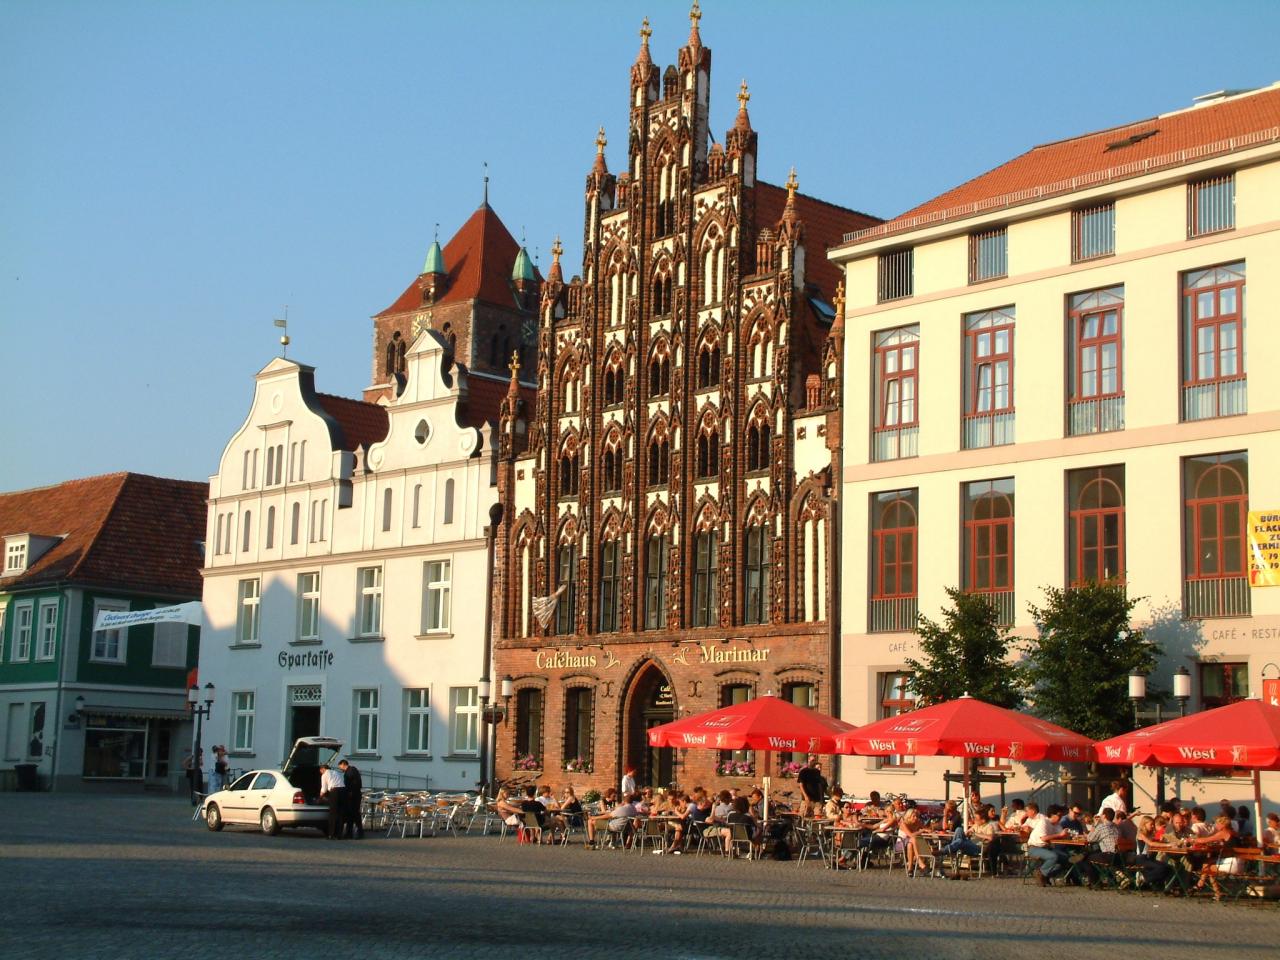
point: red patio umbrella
(968, 728)
(765, 723)
(1244, 734)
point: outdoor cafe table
(830, 847)
(1177, 856)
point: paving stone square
(126, 877)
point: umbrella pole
(1257, 813)
(968, 811)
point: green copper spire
(523, 269)
(435, 260)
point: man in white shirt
(1044, 830)
(1117, 799)
(333, 791)
(628, 786)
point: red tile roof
(120, 530)
(479, 259)
(1106, 156)
(484, 399)
(361, 423)
(825, 224)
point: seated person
(1044, 830)
(908, 826)
(1154, 872)
(1014, 816)
(1104, 836)
(873, 809)
(506, 808)
(1074, 819)
(530, 804)
(984, 831)
(621, 816)
(721, 809)
(1178, 828)
(1271, 835)
(608, 802)
(681, 810)
(756, 801)
(1199, 823)
(1218, 841)
(571, 808)
(950, 817)
(961, 844)
(833, 809)
(741, 813)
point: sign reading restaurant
(707, 653)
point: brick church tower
(481, 292)
(673, 508)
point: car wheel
(270, 824)
(213, 817)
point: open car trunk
(302, 766)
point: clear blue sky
(171, 173)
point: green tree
(1077, 667)
(967, 653)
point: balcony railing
(1002, 600)
(987, 430)
(1095, 416)
(895, 443)
(1217, 597)
(894, 614)
(1218, 398)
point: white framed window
(309, 606)
(247, 618)
(169, 645)
(318, 510)
(15, 558)
(366, 715)
(2, 612)
(23, 617)
(437, 577)
(109, 646)
(464, 721)
(243, 704)
(369, 601)
(13, 744)
(48, 644)
(417, 721)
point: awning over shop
(135, 713)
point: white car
(271, 799)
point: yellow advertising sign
(1264, 548)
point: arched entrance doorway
(651, 701)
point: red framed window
(1213, 342)
(988, 378)
(1093, 232)
(988, 536)
(1096, 525)
(1223, 683)
(988, 255)
(1211, 205)
(1217, 510)
(896, 377)
(894, 537)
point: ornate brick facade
(675, 500)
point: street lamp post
(1138, 694)
(490, 717)
(199, 712)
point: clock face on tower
(420, 323)
(529, 333)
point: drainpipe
(495, 518)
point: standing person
(333, 792)
(189, 767)
(352, 821)
(220, 768)
(628, 781)
(1117, 799)
(813, 786)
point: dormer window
(15, 557)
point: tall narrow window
(736, 761)
(613, 380)
(659, 459)
(578, 723)
(217, 543)
(708, 366)
(660, 374)
(756, 582)
(271, 527)
(895, 275)
(437, 588)
(386, 510)
(759, 441)
(568, 472)
(295, 521)
(417, 715)
(529, 725)
(1216, 513)
(566, 607)
(247, 531)
(894, 542)
(610, 585)
(1093, 232)
(369, 601)
(308, 607)
(706, 580)
(417, 505)
(1213, 348)
(897, 424)
(48, 637)
(896, 697)
(448, 500)
(366, 717)
(247, 618)
(1096, 525)
(611, 468)
(655, 583)
(708, 450)
(1097, 362)
(1211, 205)
(464, 721)
(988, 255)
(988, 542)
(110, 646)
(20, 649)
(988, 378)
(242, 713)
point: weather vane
(283, 324)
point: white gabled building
(340, 535)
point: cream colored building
(346, 573)
(1063, 370)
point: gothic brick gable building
(674, 497)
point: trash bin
(27, 778)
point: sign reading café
(704, 652)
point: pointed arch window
(758, 351)
(759, 441)
(708, 366)
(611, 466)
(569, 472)
(708, 449)
(706, 578)
(659, 372)
(756, 578)
(613, 382)
(610, 585)
(655, 582)
(713, 267)
(659, 458)
(566, 606)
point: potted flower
(527, 761)
(577, 765)
(792, 769)
(736, 768)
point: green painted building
(86, 709)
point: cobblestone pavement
(106, 877)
